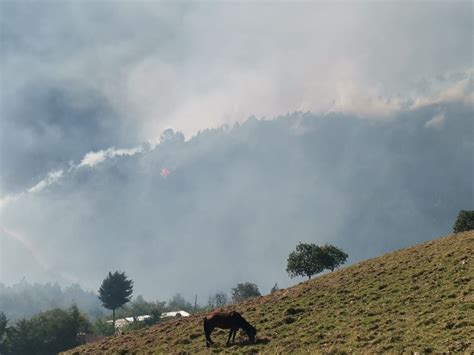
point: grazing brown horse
(227, 320)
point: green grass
(419, 299)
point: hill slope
(419, 299)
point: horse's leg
(209, 341)
(230, 335)
(207, 331)
(233, 338)
(209, 336)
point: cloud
(92, 159)
(52, 177)
(461, 91)
(319, 58)
(46, 126)
(176, 70)
(436, 122)
(351, 99)
(27, 244)
(26, 251)
(5, 200)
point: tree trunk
(113, 318)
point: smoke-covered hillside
(23, 300)
(229, 204)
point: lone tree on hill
(306, 260)
(116, 290)
(311, 259)
(332, 257)
(244, 291)
(464, 222)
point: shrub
(292, 311)
(244, 291)
(464, 222)
(101, 327)
(48, 332)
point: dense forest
(24, 299)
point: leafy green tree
(464, 222)
(306, 260)
(332, 257)
(21, 339)
(139, 307)
(155, 317)
(101, 327)
(219, 299)
(80, 320)
(311, 259)
(115, 291)
(46, 333)
(245, 291)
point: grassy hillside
(415, 299)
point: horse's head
(251, 333)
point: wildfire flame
(165, 172)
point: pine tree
(115, 291)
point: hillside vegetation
(416, 299)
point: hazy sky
(87, 88)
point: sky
(193, 144)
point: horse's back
(221, 314)
(223, 320)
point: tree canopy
(305, 261)
(48, 332)
(332, 257)
(245, 291)
(464, 222)
(115, 291)
(309, 259)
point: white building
(175, 314)
(122, 322)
